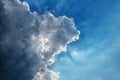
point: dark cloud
(29, 42)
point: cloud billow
(29, 42)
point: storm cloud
(29, 41)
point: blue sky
(96, 55)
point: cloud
(30, 41)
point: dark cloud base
(13, 66)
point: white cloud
(43, 35)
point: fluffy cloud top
(29, 42)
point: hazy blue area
(96, 55)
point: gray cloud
(30, 41)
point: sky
(96, 54)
